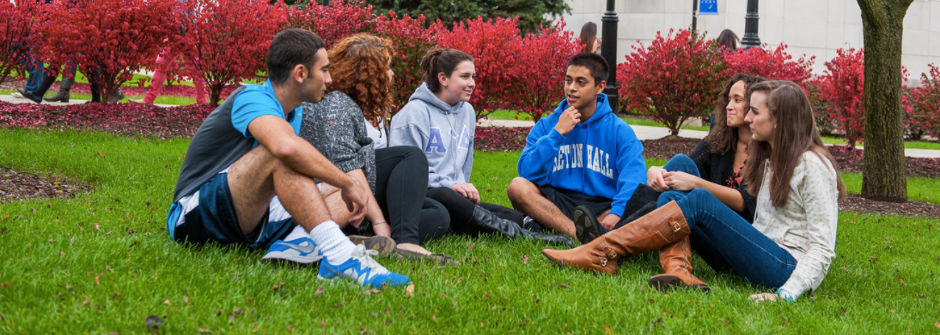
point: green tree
(884, 172)
(531, 13)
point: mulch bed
(15, 185)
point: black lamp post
(750, 38)
(609, 51)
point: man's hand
(681, 181)
(467, 190)
(654, 178)
(568, 119)
(609, 221)
(356, 199)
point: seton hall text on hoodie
(573, 156)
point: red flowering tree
(108, 39)
(925, 103)
(776, 64)
(675, 78)
(494, 45)
(229, 39)
(841, 88)
(411, 40)
(540, 70)
(334, 21)
(17, 22)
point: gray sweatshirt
(444, 132)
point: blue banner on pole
(707, 7)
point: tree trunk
(884, 173)
(215, 91)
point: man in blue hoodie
(581, 164)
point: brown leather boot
(676, 260)
(659, 228)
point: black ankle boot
(489, 221)
(63, 94)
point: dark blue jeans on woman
(726, 237)
(685, 164)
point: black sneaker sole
(585, 225)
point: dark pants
(725, 234)
(461, 210)
(401, 180)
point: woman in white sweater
(792, 241)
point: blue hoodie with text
(600, 157)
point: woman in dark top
(342, 127)
(716, 163)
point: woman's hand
(681, 181)
(654, 178)
(467, 190)
(761, 297)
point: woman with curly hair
(349, 127)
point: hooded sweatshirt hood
(424, 94)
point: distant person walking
(589, 41)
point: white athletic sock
(298, 232)
(336, 247)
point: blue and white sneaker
(363, 269)
(301, 251)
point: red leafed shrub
(925, 102)
(17, 22)
(411, 40)
(229, 39)
(540, 70)
(121, 119)
(500, 138)
(495, 46)
(334, 21)
(842, 88)
(110, 38)
(675, 78)
(777, 64)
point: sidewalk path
(652, 133)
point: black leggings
(401, 180)
(461, 210)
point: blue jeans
(681, 163)
(34, 69)
(721, 232)
(685, 164)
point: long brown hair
(795, 134)
(359, 67)
(588, 36)
(722, 138)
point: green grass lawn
(101, 262)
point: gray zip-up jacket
(444, 132)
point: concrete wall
(811, 27)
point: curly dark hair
(359, 67)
